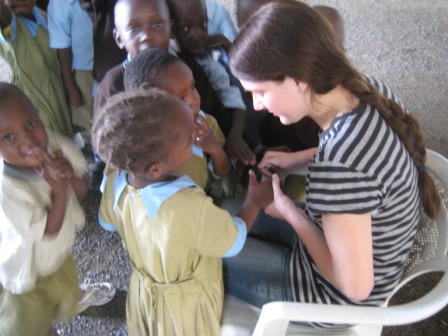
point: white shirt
(26, 253)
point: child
(190, 37)
(157, 68)
(71, 34)
(134, 21)
(41, 179)
(24, 45)
(106, 53)
(152, 17)
(174, 234)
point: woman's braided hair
(135, 126)
(289, 38)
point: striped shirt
(361, 168)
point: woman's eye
(203, 24)
(183, 29)
(132, 29)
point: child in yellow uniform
(155, 67)
(174, 234)
(24, 45)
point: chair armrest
(417, 310)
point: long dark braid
(409, 131)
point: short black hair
(147, 68)
(134, 126)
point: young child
(157, 68)
(41, 180)
(106, 53)
(135, 20)
(24, 45)
(71, 34)
(190, 37)
(174, 234)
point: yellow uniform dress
(35, 70)
(197, 167)
(175, 237)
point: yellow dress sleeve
(7, 31)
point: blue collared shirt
(69, 26)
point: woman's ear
(302, 86)
(118, 39)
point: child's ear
(118, 39)
(154, 171)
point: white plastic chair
(429, 254)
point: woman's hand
(283, 207)
(284, 161)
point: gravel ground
(404, 43)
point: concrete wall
(405, 44)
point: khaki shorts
(82, 116)
(55, 297)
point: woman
(365, 185)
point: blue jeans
(260, 273)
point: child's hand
(59, 164)
(57, 183)
(240, 150)
(204, 138)
(260, 193)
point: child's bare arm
(259, 196)
(59, 194)
(68, 78)
(235, 145)
(205, 139)
(218, 40)
(5, 14)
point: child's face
(178, 81)
(23, 138)
(190, 22)
(140, 24)
(21, 7)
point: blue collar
(12, 171)
(31, 25)
(155, 194)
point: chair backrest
(429, 252)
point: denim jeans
(260, 273)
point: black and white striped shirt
(361, 168)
